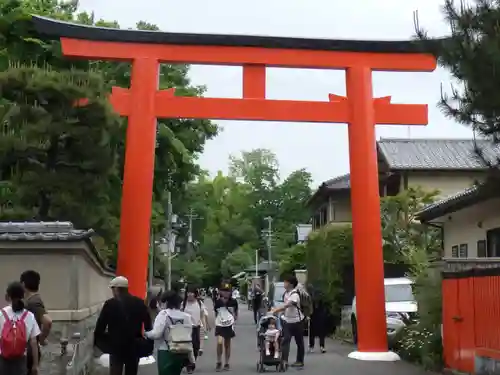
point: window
(493, 242)
(399, 293)
(454, 251)
(481, 249)
(279, 292)
(463, 251)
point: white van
(400, 307)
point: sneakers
(226, 367)
(200, 352)
(323, 350)
(311, 350)
(276, 355)
(218, 367)
(268, 352)
(298, 364)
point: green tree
(293, 258)
(474, 42)
(232, 210)
(193, 271)
(284, 201)
(259, 169)
(402, 233)
(178, 141)
(237, 261)
(55, 168)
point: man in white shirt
(293, 322)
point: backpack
(179, 339)
(13, 338)
(306, 304)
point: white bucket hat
(119, 282)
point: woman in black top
(318, 322)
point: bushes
(422, 343)
(292, 259)
(328, 251)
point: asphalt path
(245, 356)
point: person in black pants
(257, 297)
(118, 327)
(293, 322)
(318, 322)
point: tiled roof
(42, 231)
(435, 154)
(458, 201)
(339, 183)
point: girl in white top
(170, 363)
(15, 311)
(198, 312)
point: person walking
(170, 358)
(30, 280)
(293, 320)
(18, 331)
(196, 309)
(120, 325)
(257, 299)
(318, 322)
(226, 314)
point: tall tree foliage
(178, 141)
(471, 54)
(232, 210)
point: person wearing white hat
(119, 328)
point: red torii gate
(143, 103)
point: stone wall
(74, 285)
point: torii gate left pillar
(143, 103)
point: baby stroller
(268, 360)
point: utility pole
(169, 236)
(269, 234)
(191, 216)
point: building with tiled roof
(470, 222)
(446, 165)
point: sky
(320, 148)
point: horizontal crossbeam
(220, 55)
(335, 111)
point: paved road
(335, 361)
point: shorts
(225, 332)
(13, 366)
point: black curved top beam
(57, 29)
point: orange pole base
(366, 222)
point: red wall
(471, 317)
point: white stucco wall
(448, 183)
(470, 225)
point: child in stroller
(269, 335)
